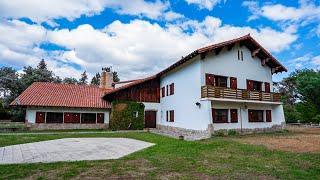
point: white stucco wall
(187, 91)
(31, 112)
(226, 63)
(243, 121)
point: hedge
(123, 115)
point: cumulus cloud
(48, 11)
(134, 49)
(205, 4)
(306, 13)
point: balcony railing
(242, 94)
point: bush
(18, 115)
(232, 132)
(127, 115)
(219, 133)
(316, 119)
(307, 111)
(291, 114)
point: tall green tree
(115, 76)
(96, 79)
(84, 78)
(69, 80)
(308, 86)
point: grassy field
(215, 158)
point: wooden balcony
(241, 94)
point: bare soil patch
(299, 139)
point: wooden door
(267, 87)
(40, 117)
(233, 83)
(150, 118)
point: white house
(220, 87)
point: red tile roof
(62, 95)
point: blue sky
(139, 38)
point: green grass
(218, 157)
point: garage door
(150, 119)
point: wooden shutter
(209, 79)
(172, 116)
(100, 118)
(268, 116)
(233, 83)
(249, 85)
(171, 88)
(167, 90)
(163, 91)
(213, 111)
(167, 116)
(40, 117)
(234, 115)
(250, 116)
(267, 87)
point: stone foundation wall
(176, 132)
(274, 128)
(189, 134)
(53, 126)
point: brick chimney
(106, 79)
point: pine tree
(84, 78)
(96, 79)
(69, 80)
(115, 76)
(42, 65)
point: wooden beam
(203, 55)
(255, 52)
(218, 50)
(230, 46)
(264, 61)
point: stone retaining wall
(54, 126)
(189, 134)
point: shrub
(219, 133)
(127, 115)
(316, 119)
(232, 132)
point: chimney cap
(107, 69)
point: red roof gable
(62, 95)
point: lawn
(215, 158)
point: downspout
(240, 119)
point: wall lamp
(198, 104)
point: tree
(96, 79)
(42, 65)
(115, 76)
(84, 78)
(69, 80)
(308, 85)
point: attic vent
(240, 55)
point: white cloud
(316, 60)
(205, 4)
(307, 12)
(40, 11)
(306, 61)
(135, 49)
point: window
(54, 117)
(70, 117)
(167, 90)
(220, 81)
(234, 115)
(171, 88)
(254, 85)
(171, 115)
(163, 91)
(135, 114)
(255, 115)
(220, 115)
(257, 86)
(240, 55)
(88, 118)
